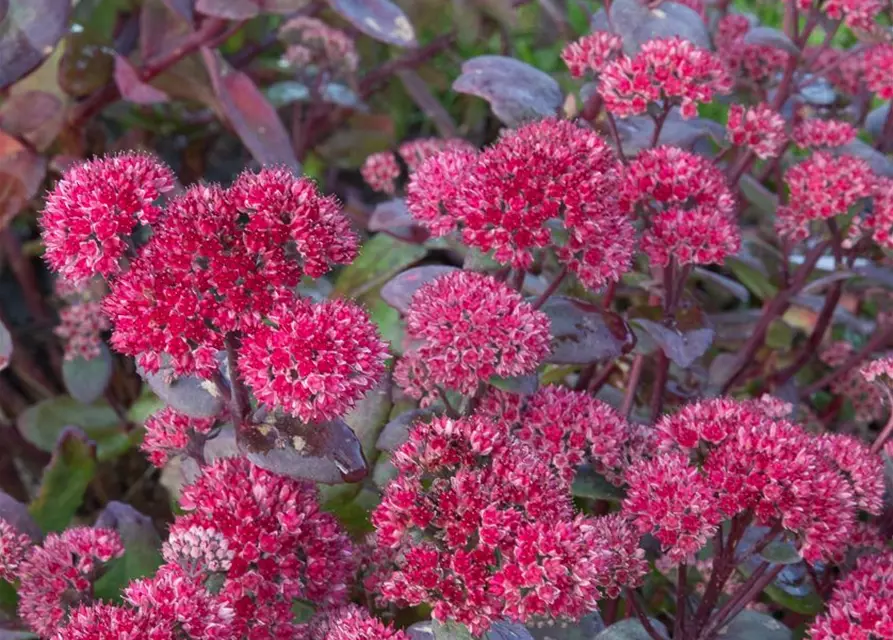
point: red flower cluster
(861, 605)
(480, 528)
(58, 573)
(881, 368)
(94, 209)
(754, 61)
(313, 360)
(878, 61)
(13, 548)
(821, 187)
(570, 428)
(758, 128)
(169, 434)
(467, 327)
(107, 622)
(856, 14)
(197, 550)
(880, 219)
(672, 70)
(351, 623)
(687, 204)
(283, 546)
(815, 132)
(219, 262)
(509, 198)
(841, 68)
(866, 398)
(591, 53)
(380, 171)
(811, 487)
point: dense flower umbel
(107, 622)
(313, 360)
(569, 428)
(878, 61)
(756, 62)
(81, 326)
(95, 207)
(58, 573)
(380, 171)
(197, 550)
(861, 606)
(415, 152)
(433, 190)
(841, 68)
(285, 547)
(181, 606)
(880, 220)
(591, 53)
(351, 623)
(759, 128)
(672, 70)
(13, 548)
(785, 477)
(866, 398)
(534, 183)
(169, 433)
(823, 133)
(314, 42)
(856, 14)
(687, 204)
(879, 370)
(821, 187)
(469, 327)
(863, 469)
(481, 529)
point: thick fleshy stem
(759, 580)
(640, 614)
(552, 288)
(681, 596)
(240, 403)
(632, 383)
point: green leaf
(86, 380)
(808, 605)
(64, 481)
(751, 278)
(779, 552)
(382, 258)
(589, 484)
(142, 555)
(41, 424)
(631, 629)
(147, 404)
(780, 335)
(9, 599)
(518, 385)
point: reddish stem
(880, 338)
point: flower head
(169, 433)
(757, 62)
(842, 69)
(866, 397)
(878, 60)
(880, 369)
(13, 548)
(416, 152)
(101, 621)
(673, 69)
(591, 53)
(863, 470)
(283, 546)
(815, 132)
(313, 360)
(880, 220)
(351, 623)
(470, 326)
(95, 207)
(312, 41)
(433, 190)
(380, 171)
(59, 573)
(856, 14)
(861, 604)
(760, 129)
(81, 327)
(198, 549)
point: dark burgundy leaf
(33, 116)
(881, 164)
(228, 9)
(86, 380)
(396, 432)
(21, 174)
(16, 514)
(282, 6)
(251, 115)
(129, 523)
(874, 122)
(583, 333)
(188, 395)
(162, 28)
(683, 338)
(327, 452)
(636, 23)
(393, 218)
(379, 19)
(518, 385)
(5, 346)
(399, 291)
(636, 132)
(516, 91)
(770, 37)
(132, 88)
(29, 31)
(86, 66)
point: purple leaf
(86, 380)
(683, 338)
(21, 174)
(392, 217)
(396, 432)
(282, 6)
(5, 346)
(251, 115)
(183, 8)
(399, 291)
(29, 32)
(516, 91)
(132, 88)
(770, 37)
(33, 116)
(518, 385)
(228, 9)
(162, 28)
(379, 19)
(16, 514)
(637, 24)
(583, 333)
(327, 452)
(188, 395)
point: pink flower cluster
(879, 370)
(811, 488)
(861, 606)
(536, 184)
(478, 526)
(671, 70)
(687, 205)
(57, 574)
(81, 319)
(313, 360)
(842, 69)
(351, 623)
(170, 433)
(313, 42)
(467, 327)
(94, 209)
(381, 170)
(856, 14)
(754, 61)
(569, 428)
(591, 53)
(815, 132)
(759, 128)
(866, 398)
(878, 61)
(13, 548)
